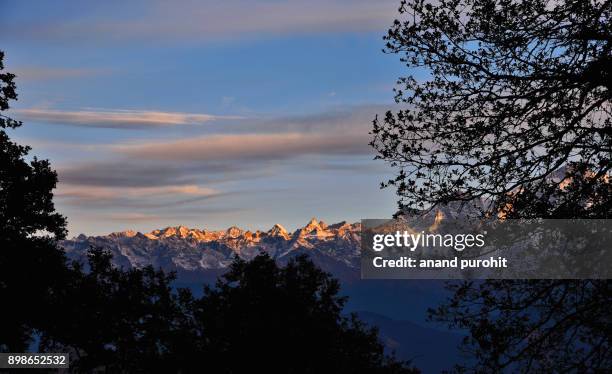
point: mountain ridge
(189, 250)
(233, 231)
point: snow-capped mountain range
(195, 251)
(198, 253)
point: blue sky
(204, 113)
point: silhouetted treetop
(258, 318)
(543, 326)
(261, 317)
(121, 321)
(7, 93)
(509, 101)
(501, 95)
(26, 200)
(32, 267)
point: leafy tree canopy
(286, 320)
(509, 103)
(29, 228)
(504, 94)
(258, 318)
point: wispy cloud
(165, 218)
(115, 118)
(210, 20)
(254, 150)
(133, 217)
(40, 73)
(135, 197)
(102, 193)
(141, 173)
(250, 147)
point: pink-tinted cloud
(132, 217)
(114, 118)
(192, 20)
(133, 197)
(218, 158)
(251, 147)
(101, 193)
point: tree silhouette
(513, 92)
(260, 317)
(31, 265)
(117, 320)
(509, 103)
(542, 326)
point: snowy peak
(122, 234)
(438, 218)
(278, 230)
(312, 224)
(314, 229)
(180, 231)
(233, 232)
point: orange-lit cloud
(89, 192)
(212, 20)
(114, 118)
(249, 147)
(133, 196)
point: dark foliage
(540, 326)
(259, 317)
(508, 93)
(509, 102)
(29, 228)
(285, 320)
(122, 321)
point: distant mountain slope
(432, 351)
